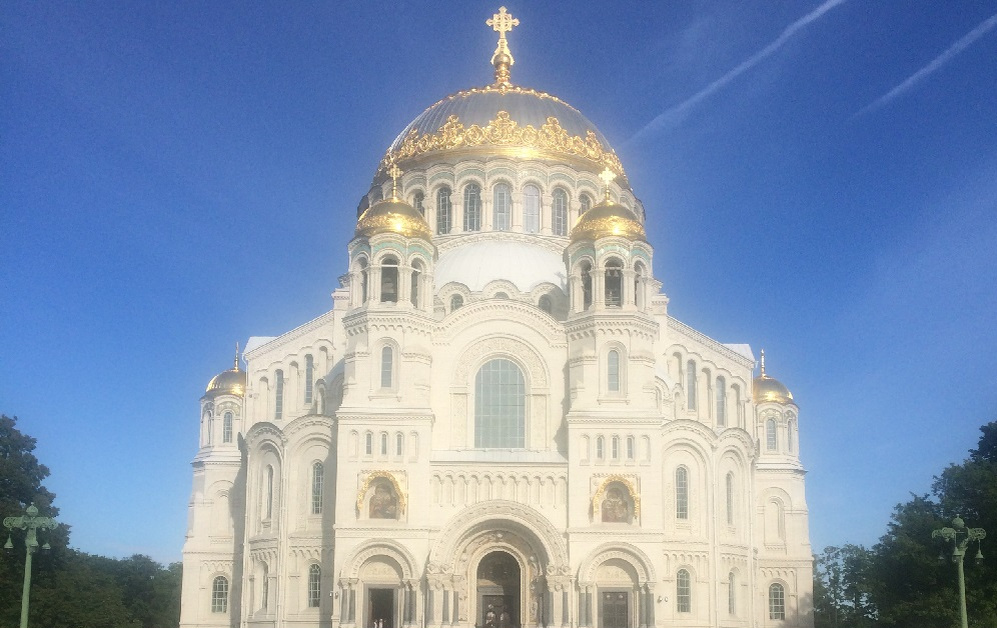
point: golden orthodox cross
(607, 177)
(502, 22)
(394, 172)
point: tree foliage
(900, 582)
(72, 589)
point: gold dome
(766, 389)
(231, 382)
(393, 216)
(608, 219)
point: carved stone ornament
(504, 131)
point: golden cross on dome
(394, 172)
(607, 177)
(763, 362)
(502, 22)
(237, 356)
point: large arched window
(472, 207)
(531, 209)
(444, 211)
(227, 428)
(681, 493)
(690, 384)
(278, 395)
(318, 485)
(387, 367)
(419, 202)
(721, 393)
(683, 592)
(613, 371)
(219, 595)
(502, 206)
(559, 212)
(771, 437)
(730, 499)
(777, 601)
(586, 203)
(309, 378)
(499, 405)
(731, 595)
(314, 586)
(389, 280)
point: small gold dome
(608, 219)
(231, 382)
(766, 389)
(393, 216)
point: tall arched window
(639, 273)
(416, 280)
(472, 207)
(318, 485)
(731, 595)
(500, 405)
(631, 454)
(730, 499)
(586, 276)
(227, 428)
(389, 280)
(363, 281)
(368, 446)
(387, 367)
(777, 601)
(737, 404)
(219, 595)
(531, 209)
(681, 493)
(771, 437)
(683, 592)
(211, 428)
(456, 302)
(309, 378)
(265, 586)
(586, 203)
(559, 212)
(613, 374)
(444, 211)
(384, 443)
(419, 202)
(314, 586)
(502, 206)
(278, 395)
(600, 448)
(790, 435)
(614, 283)
(721, 393)
(268, 496)
(690, 384)
(399, 444)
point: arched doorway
(498, 586)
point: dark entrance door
(380, 608)
(614, 609)
(498, 591)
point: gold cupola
(766, 389)
(230, 382)
(393, 216)
(608, 219)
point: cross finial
(502, 22)
(607, 177)
(237, 356)
(763, 362)
(394, 172)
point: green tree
(841, 588)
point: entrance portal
(498, 591)
(381, 608)
(614, 607)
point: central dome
(519, 121)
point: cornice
(297, 332)
(692, 334)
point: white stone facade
(482, 433)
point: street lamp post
(31, 522)
(960, 536)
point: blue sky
(819, 178)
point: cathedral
(497, 424)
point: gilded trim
(370, 479)
(625, 481)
